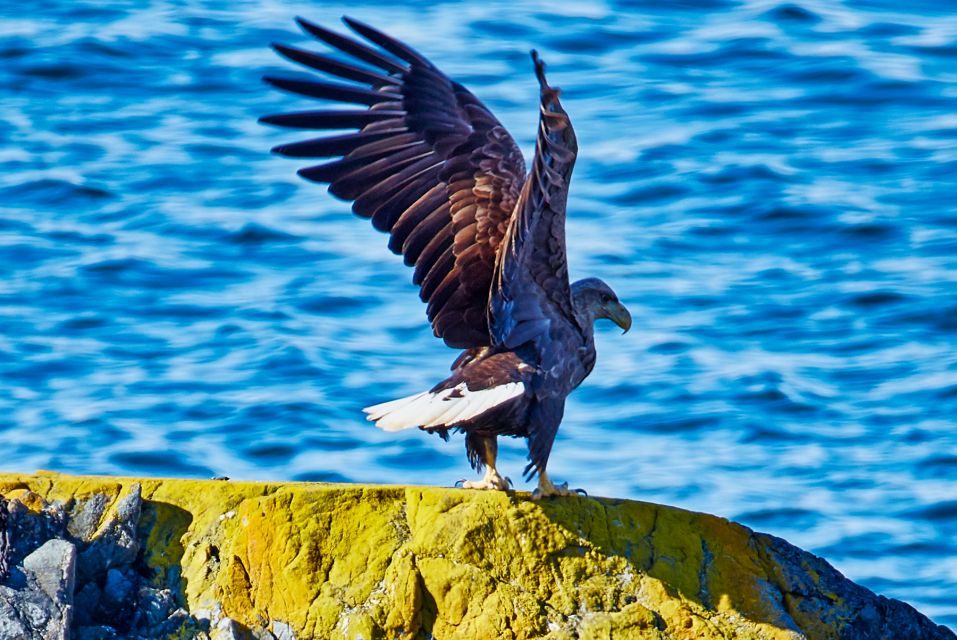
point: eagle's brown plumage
(429, 164)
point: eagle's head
(594, 299)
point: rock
(85, 603)
(52, 566)
(298, 560)
(228, 629)
(86, 518)
(154, 607)
(117, 589)
(283, 631)
(115, 542)
(98, 632)
(4, 541)
(13, 624)
(31, 521)
(42, 610)
(105, 601)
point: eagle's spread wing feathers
(531, 291)
(429, 163)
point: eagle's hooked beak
(618, 314)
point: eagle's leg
(547, 489)
(482, 451)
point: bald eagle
(429, 164)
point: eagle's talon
(547, 489)
(492, 481)
(581, 492)
(459, 484)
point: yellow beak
(618, 314)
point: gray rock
(28, 530)
(99, 632)
(13, 626)
(116, 591)
(282, 631)
(4, 541)
(115, 545)
(819, 594)
(155, 606)
(86, 517)
(94, 586)
(85, 603)
(177, 622)
(30, 614)
(44, 607)
(228, 629)
(52, 567)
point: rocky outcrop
(74, 570)
(42, 606)
(222, 559)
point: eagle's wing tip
(539, 68)
(311, 27)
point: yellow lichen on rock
(349, 562)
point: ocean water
(771, 187)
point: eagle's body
(433, 167)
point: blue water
(770, 187)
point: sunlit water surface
(770, 187)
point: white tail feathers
(441, 408)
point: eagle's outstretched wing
(429, 163)
(531, 293)
(531, 302)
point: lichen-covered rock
(298, 560)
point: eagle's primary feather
(428, 163)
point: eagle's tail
(441, 407)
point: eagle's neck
(586, 307)
(585, 316)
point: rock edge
(222, 559)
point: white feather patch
(442, 408)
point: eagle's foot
(546, 489)
(493, 480)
